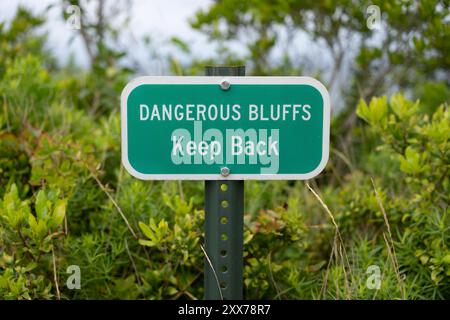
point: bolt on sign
(237, 128)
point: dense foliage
(66, 200)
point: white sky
(160, 19)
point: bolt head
(225, 84)
(224, 171)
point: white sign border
(217, 80)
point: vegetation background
(381, 204)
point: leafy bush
(420, 145)
(28, 235)
(66, 200)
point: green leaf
(446, 259)
(59, 212)
(180, 44)
(411, 163)
(33, 223)
(146, 230)
(41, 230)
(163, 226)
(375, 112)
(424, 259)
(13, 194)
(398, 105)
(153, 225)
(362, 110)
(172, 291)
(147, 243)
(41, 205)
(378, 109)
(31, 266)
(402, 107)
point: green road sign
(211, 128)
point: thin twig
(392, 258)
(214, 271)
(66, 227)
(324, 206)
(190, 295)
(113, 202)
(391, 247)
(341, 248)
(138, 278)
(55, 276)
(25, 244)
(283, 292)
(184, 291)
(271, 276)
(325, 280)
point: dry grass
(390, 243)
(214, 271)
(338, 251)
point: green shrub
(420, 146)
(28, 235)
(66, 199)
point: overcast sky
(160, 19)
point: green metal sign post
(225, 128)
(224, 227)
